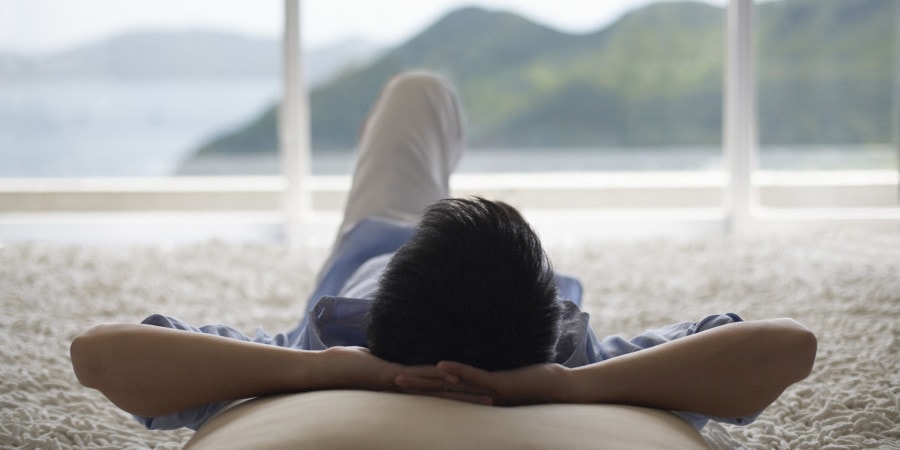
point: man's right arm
(152, 371)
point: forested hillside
(652, 78)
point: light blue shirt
(337, 315)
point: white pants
(410, 144)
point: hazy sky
(48, 25)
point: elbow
(86, 356)
(798, 348)
(783, 354)
(805, 347)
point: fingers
(409, 386)
(415, 384)
(466, 373)
(430, 380)
(448, 380)
(430, 374)
(466, 397)
(424, 383)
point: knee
(419, 81)
(83, 354)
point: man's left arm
(733, 370)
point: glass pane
(638, 87)
(132, 88)
(628, 85)
(828, 84)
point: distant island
(184, 55)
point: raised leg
(410, 144)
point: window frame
(297, 198)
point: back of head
(472, 285)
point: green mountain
(652, 78)
(830, 72)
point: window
(134, 89)
(827, 84)
(637, 87)
(827, 88)
(633, 103)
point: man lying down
(448, 297)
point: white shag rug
(845, 287)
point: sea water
(92, 128)
(118, 128)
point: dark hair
(472, 285)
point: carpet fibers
(846, 287)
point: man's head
(473, 285)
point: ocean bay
(59, 128)
(123, 128)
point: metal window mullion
(740, 114)
(293, 124)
